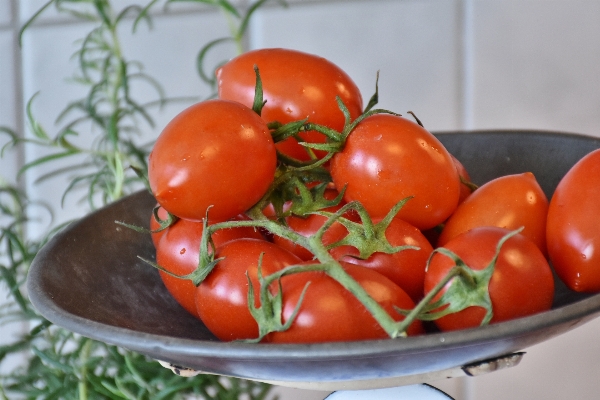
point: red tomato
(177, 252)
(330, 313)
(215, 153)
(510, 202)
(296, 85)
(573, 233)
(405, 268)
(521, 284)
(221, 299)
(388, 158)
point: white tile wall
(5, 13)
(414, 44)
(457, 64)
(536, 65)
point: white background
(459, 64)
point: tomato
(405, 268)
(521, 284)
(573, 233)
(388, 158)
(510, 201)
(330, 313)
(296, 85)
(221, 299)
(178, 252)
(309, 225)
(215, 153)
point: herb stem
(82, 386)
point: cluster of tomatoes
(289, 212)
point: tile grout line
(466, 79)
(17, 62)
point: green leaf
(45, 159)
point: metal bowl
(89, 280)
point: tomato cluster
(295, 215)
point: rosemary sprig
(238, 19)
(59, 363)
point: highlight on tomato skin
(296, 85)
(329, 312)
(522, 282)
(388, 158)
(572, 230)
(217, 154)
(510, 201)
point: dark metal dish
(89, 280)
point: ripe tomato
(177, 252)
(388, 158)
(221, 299)
(510, 202)
(330, 313)
(573, 233)
(296, 85)
(521, 283)
(405, 268)
(215, 153)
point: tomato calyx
(375, 97)
(269, 313)
(367, 237)
(467, 288)
(308, 201)
(163, 223)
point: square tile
(414, 45)
(8, 108)
(537, 65)
(5, 13)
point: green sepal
(310, 200)
(472, 186)
(258, 103)
(163, 223)
(269, 314)
(285, 131)
(468, 288)
(368, 238)
(375, 97)
(196, 276)
(331, 147)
